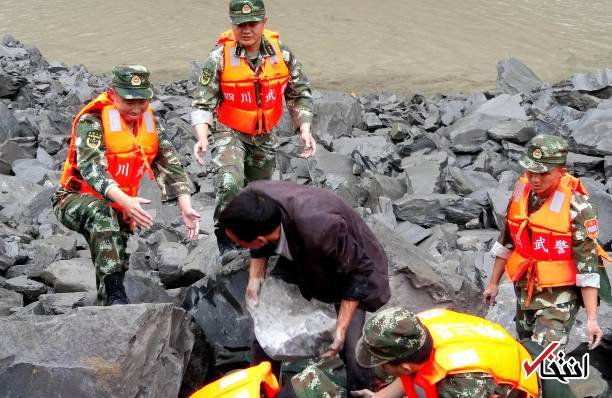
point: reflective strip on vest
(234, 58)
(115, 120)
(274, 58)
(557, 201)
(148, 119)
(519, 192)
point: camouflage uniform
(105, 230)
(239, 158)
(312, 382)
(552, 311)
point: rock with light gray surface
(63, 303)
(9, 299)
(305, 330)
(29, 288)
(74, 275)
(144, 353)
(514, 77)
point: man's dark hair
(251, 214)
(422, 355)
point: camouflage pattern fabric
(313, 383)
(298, 96)
(238, 159)
(543, 153)
(545, 321)
(106, 232)
(93, 166)
(242, 11)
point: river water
(399, 46)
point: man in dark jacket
(324, 247)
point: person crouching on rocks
(115, 141)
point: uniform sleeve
(210, 89)
(298, 95)
(584, 249)
(169, 173)
(468, 385)
(91, 154)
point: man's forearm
(345, 314)
(499, 267)
(589, 297)
(257, 268)
(393, 390)
(201, 131)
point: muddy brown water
(399, 46)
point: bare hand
(134, 210)
(363, 394)
(252, 292)
(199, 149)
(336, 346)
(489, 294)
(310, 145)
(595, 333)
(191, 218)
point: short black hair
(251, 214)
(422, 355)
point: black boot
(227, 250)
(115, 292)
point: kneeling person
(115, 141)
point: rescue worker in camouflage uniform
(115, 141)
(243, 83)
(437, 353)
(549, 249)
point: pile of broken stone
(431, 174)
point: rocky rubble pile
(432, 175)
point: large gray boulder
(434, 209)
(74, 275)
(424, 171)
(143, 354)
(591, 133)
(9, 299)
(592, 81)
(305, 329)
(334, 171)
(504, 106)
(517, 131)
(514, 77)
(464, 182)
(63, 303)
(469, 133)
(30, 289)
(335, 113)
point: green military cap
(242, 11)
(132, 82)
(544, 153)
(391, 334)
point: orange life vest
(252, 101)
(467, 344)
(243, 383)
(128, 154)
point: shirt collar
(265, 50)
(282, 249)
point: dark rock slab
(514, 77)
(144, 353)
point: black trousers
(358, 377)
